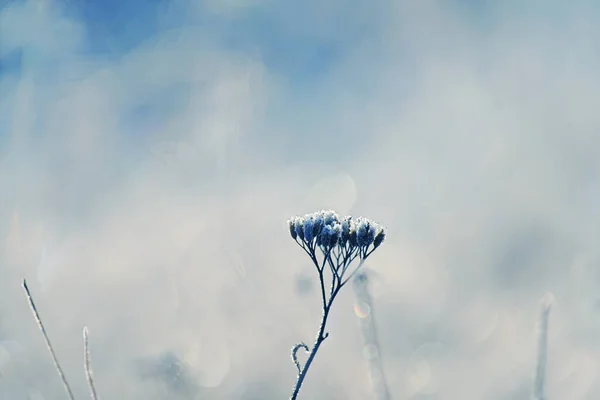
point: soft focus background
(152, 150)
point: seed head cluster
(326, 230)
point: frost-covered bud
(379, 237)
(353, 240)
(330, 235)
(345, 230)
(299, 225)
(317, 223)
(325, 229)
(363, 227)
(330, 217)
(309, 231)
(323, 238)
(373, 227)
(336, 234)
(292, 225)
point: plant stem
(40, 325)
(87, 364)
(542, 352)
(321, 336)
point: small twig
(542, 350)
(295, 356)
(87, 364)
(40, 325)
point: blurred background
(152, 150)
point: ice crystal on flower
(330, 217)
(327, 230)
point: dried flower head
(325, 229)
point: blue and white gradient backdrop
(152, 150)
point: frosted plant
(333, 245)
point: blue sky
(276, 30)
(151, 152)
(261, 28)
(301, 55)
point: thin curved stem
(321, 336)
(322, 283)
(321, 271)
(40, 325)
(295, 354)
(542, 352)
(87, 364)
(334, 275)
